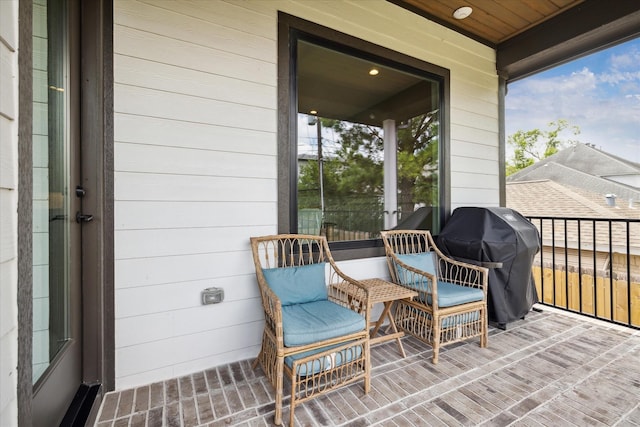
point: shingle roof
(590, 160)
(585, 167)
(574, 183)
(548, 198)
(552, 199)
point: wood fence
(574, 291)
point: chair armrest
(426, 284)
(462, 273)
(272, 307)
(350, 294)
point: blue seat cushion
(318, 320)
(297, 285)
(450, 294)
(422, 261)
(325, 362)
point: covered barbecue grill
(505, 242)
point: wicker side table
(382, 291)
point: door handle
(83, 218)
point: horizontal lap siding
(474, 143)
(196, 168)
(195, 177)
(8, 212)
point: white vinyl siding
(8, 212)
(196, 168)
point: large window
(366, 140)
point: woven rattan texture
(422, 317)
(318, 372)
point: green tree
(353, 174)
(534, 145)
(418, 162)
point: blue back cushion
(422, 261)
(297, 285)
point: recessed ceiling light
(462, 12)
(314, 112)
(373, 72)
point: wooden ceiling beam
(586, 28)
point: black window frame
(290, 30)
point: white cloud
(628, 59)
(604, 104)
(617, 77)
(540, 100)
(576, 81)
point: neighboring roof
(552, 199)
(575, 183)
(586, 167)
(548, 198)
(587, 158)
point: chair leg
(436, 339)
(291, 410)
(279, 390)
(367, 378)
(484, 338)
(260, 357)
(292, 405)
(257, 359)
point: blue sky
(599, 93)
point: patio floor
(550, 369)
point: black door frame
(96, 50)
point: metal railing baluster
(612, 270)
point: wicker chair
(315, 336)
(452, 301)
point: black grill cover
(504, 241)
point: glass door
(57, 350)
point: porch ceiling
(530, 36)
(492, 21)
(339, 86)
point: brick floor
(551, 369)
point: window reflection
(368, 146)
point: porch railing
(590, 266)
